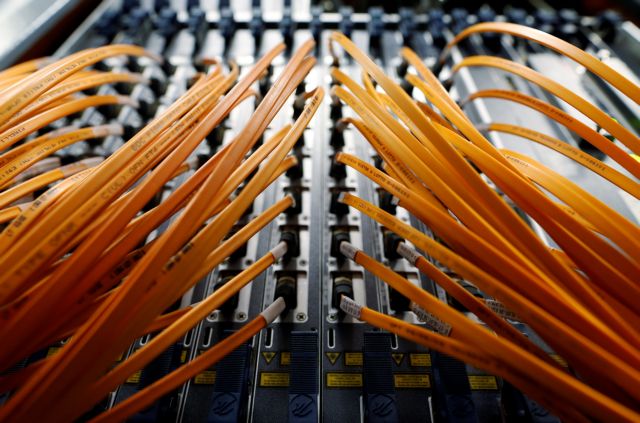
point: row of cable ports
(290, 274)
(398, 303)
(342, 225)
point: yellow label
(397, 357)
(183, 356)
(411, 380)
(344, 380)
(274, 379)
(561, 361)
(420, 360)
(483, 382)
(353, 359)
(285, 358)
(208, 377)
(333, 356)
(268, 356)
(134, 378)
(52, 351)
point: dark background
(630, 9)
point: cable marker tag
(498, 308)
(348, 250)
(408, 253)
(431, 321)
(279, 250)
(350, 307)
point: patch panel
(314, 362)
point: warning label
(344, 380)
(483, 382)
(285, 358)
(208, 377)
(420, 360)
(274, 379)
(561, 361)
(353, 359)
(134, 378)
(52, 351)
(268, 356)
(332, 356)
(411, 380)
(397, 358)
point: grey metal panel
(23, 23)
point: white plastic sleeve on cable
(279, 250)
(348, 250)
(407, 252)
(350, 307)
(272, 312)
(110, 129)
(61, 131)
(430, 320)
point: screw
(241, 315)
(300, 317)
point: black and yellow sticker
(268, 356)
(353, 359)
(561, 361)
(411, 380)
(483, 382)
(274, 379)
(285, 358)
(134, 378)
(52, 351)
(332, 356)
(397, 358)
(420, 360)
(344, 380)
(208, 377)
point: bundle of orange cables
(72, 256)
(581, 298)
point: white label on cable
(350, 307)
(408, 253)
(61, 131)
(272, 312)
(348, 250)
(431, 321)
(279, 250)
(498, 308)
